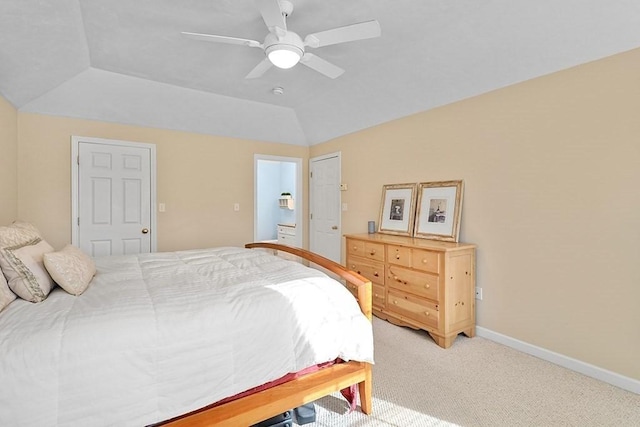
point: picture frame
(439, 208)
(397, 209)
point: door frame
(299, 193)
(337, 154)
(75, 183)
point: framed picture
(439, 209)
(397, 209)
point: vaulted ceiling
(126, 61)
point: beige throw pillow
(70, 268)
(6, 296)
(24, 268)
(17, 233)
(21, 259)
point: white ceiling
(125, 61)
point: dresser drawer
(286, 229)
(425, 260)
(415, 282)
(399, 255)
(286, 239)
(370, 250)
(374, 251)
(415, 308)
(371, 270)
(379, 297)
(352, 288)
(378, 294)
(355, 247)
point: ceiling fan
(284, 48)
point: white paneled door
(114, 191)
(324, 183)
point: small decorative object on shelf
(286, 201)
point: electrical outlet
(479, 293)
(236, 207)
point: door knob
(335, 227)
(145, 230)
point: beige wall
(199, 178)
(8, 156)
(551, 174)
(551, 169)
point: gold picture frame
(397, 209)
(439, 208)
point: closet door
(325, 214)
(114, 198)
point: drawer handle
(353, 266)
(376, 295)
(395, 302)
(375, 274)
(427, 286)
(355, 248)
(373, 252)
(397, 256)
(424, 260)
(426, 313)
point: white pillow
(70, 268)
(6, 296)
(21, 259)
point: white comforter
(158, 335)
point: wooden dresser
(420, 283)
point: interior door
(114, 197)
(324, 225)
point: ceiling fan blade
(259, 69)
(272, 16)
(223, 39)
(320, 65)
(360, 31)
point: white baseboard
(587, 369)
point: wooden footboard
(265, 404)
(363, 284)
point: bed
(164, 338)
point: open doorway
(278, 199)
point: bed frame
(268, 403)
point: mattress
(159, 335)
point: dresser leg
(470, 332)
(442, 341)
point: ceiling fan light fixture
(284, 56)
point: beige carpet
(476, 382)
